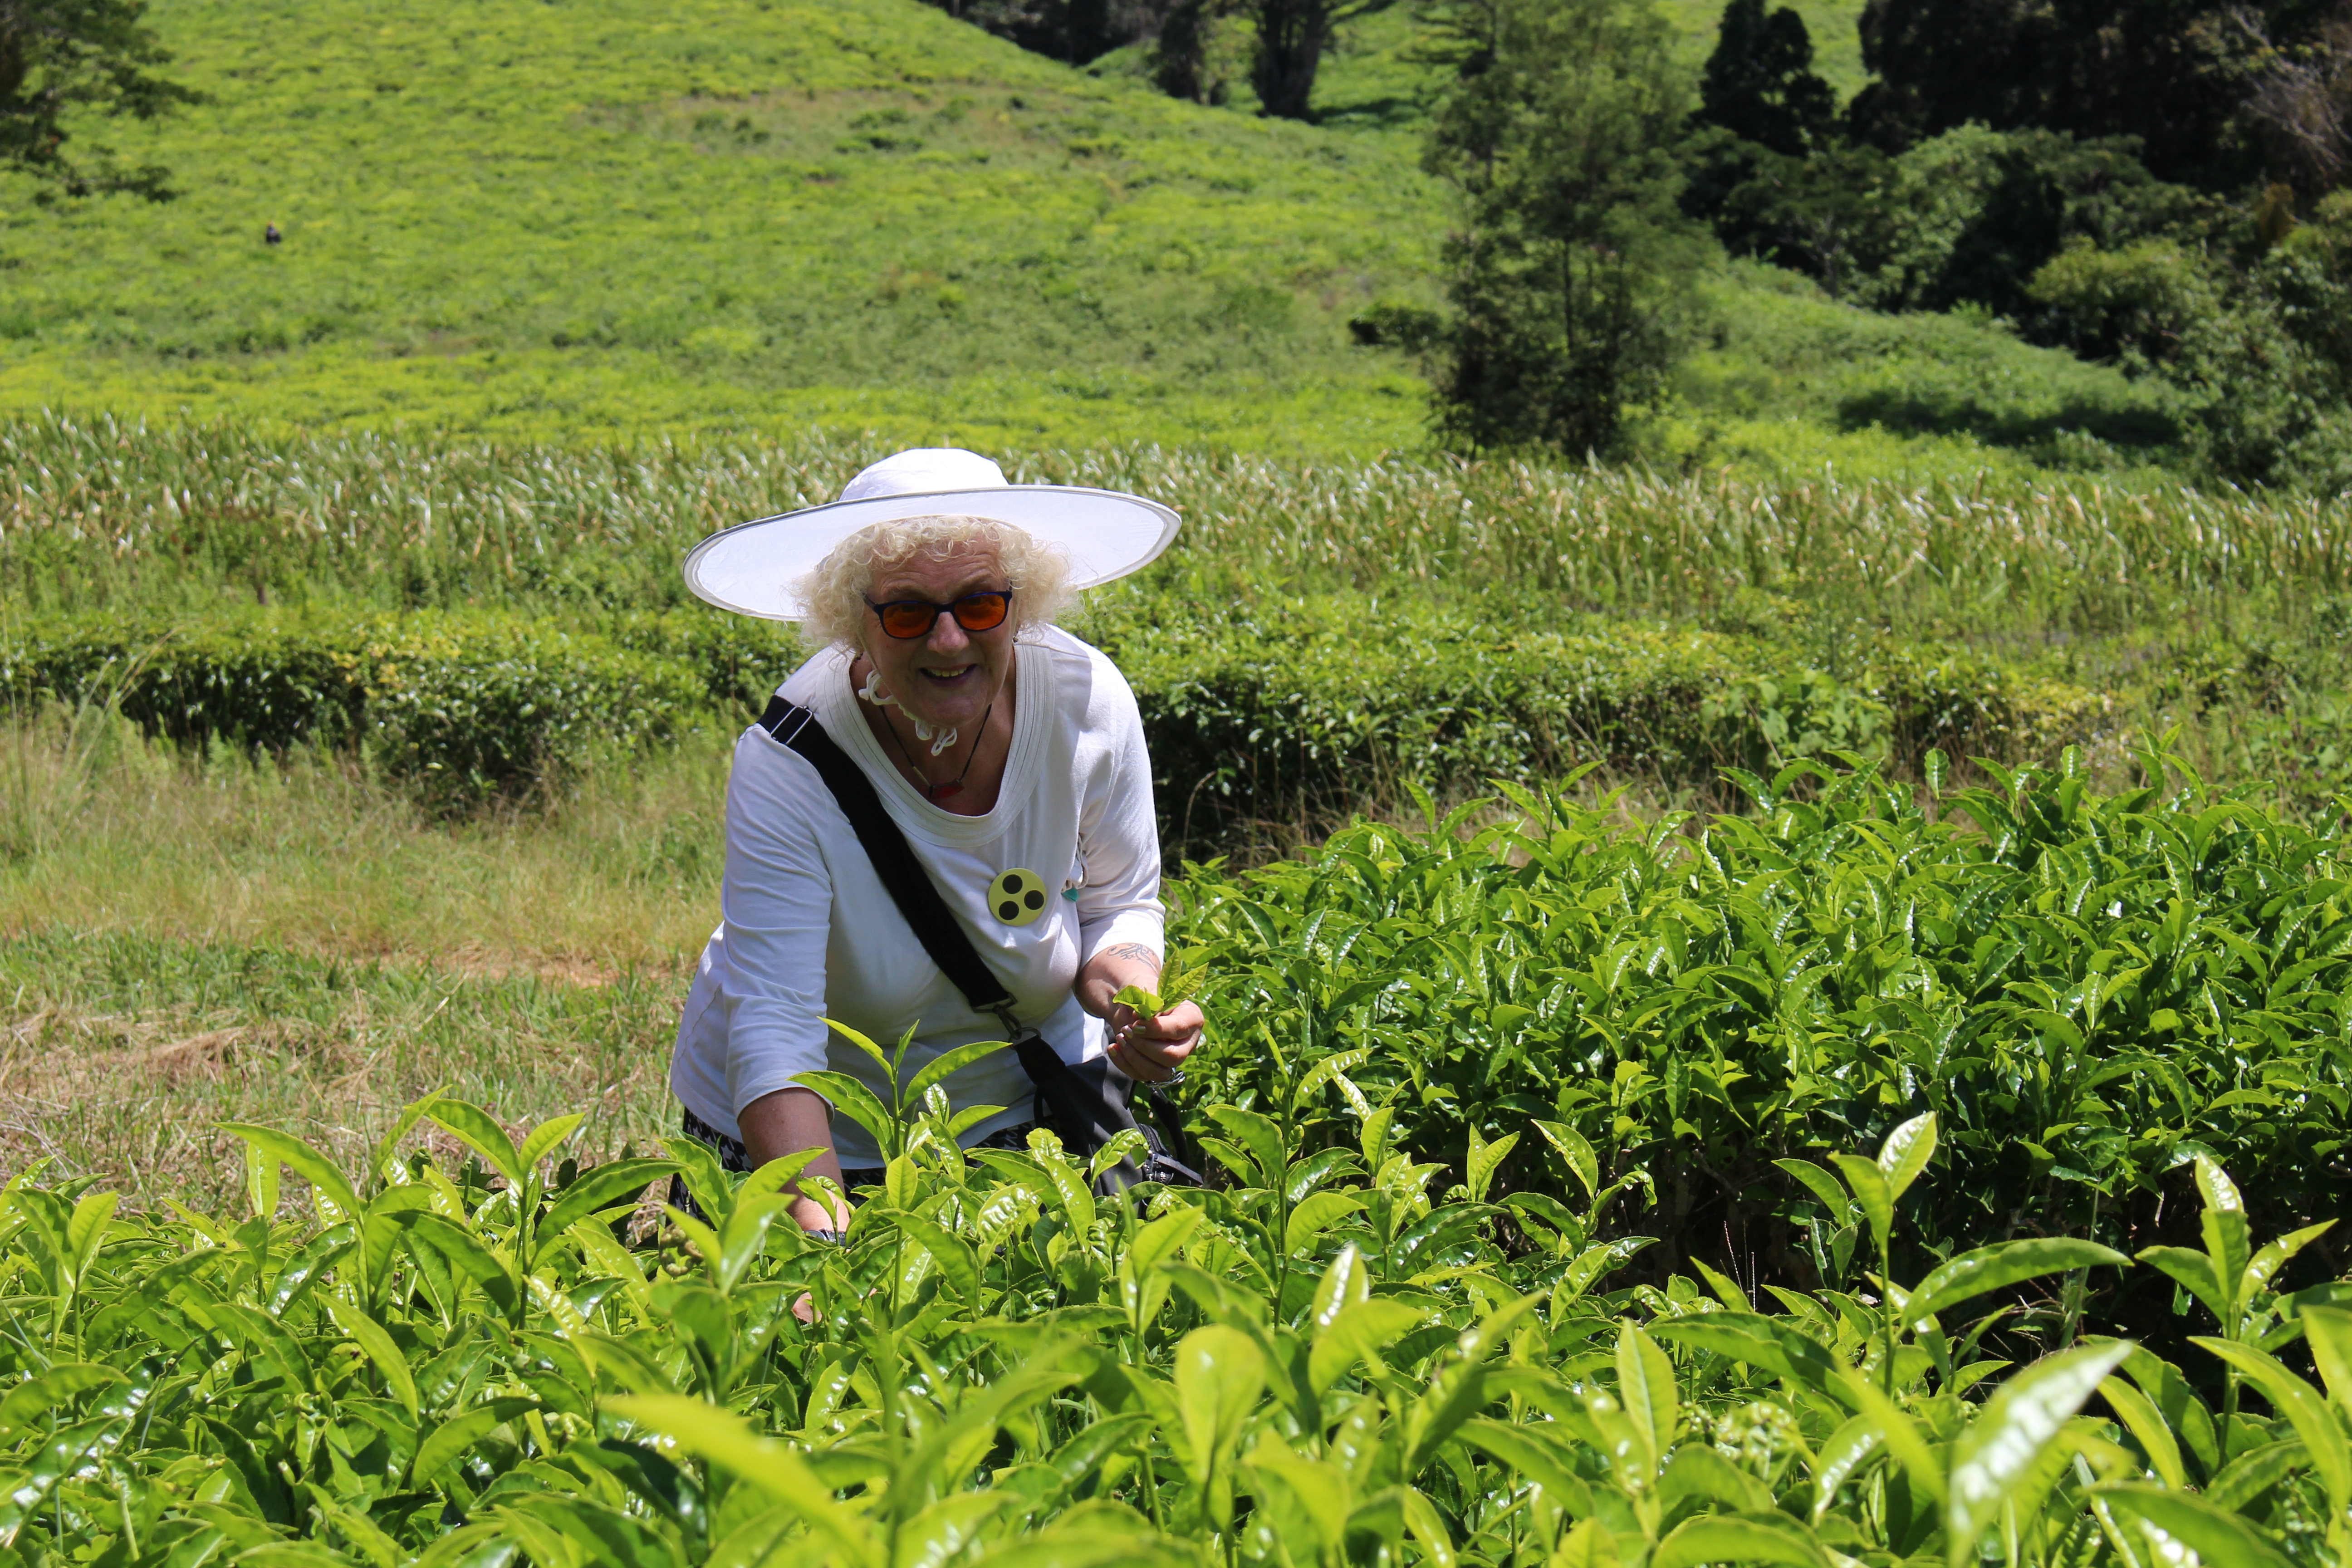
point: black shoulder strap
(909, 885)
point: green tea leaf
(480, 1131)
(2178, 1518)
(1905, 1153)
(1145, 1003)
(1219, 1375)
(1971, 1274)
(330, 1188)
(2001, 1446)
(1757, 1538)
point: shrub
(2089, 992)
(1288, 711)
(464, 705)
(1300, 710)
(1320, 1363)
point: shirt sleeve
(777, 908)
(1118, 834)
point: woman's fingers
(1153, 1049)
(1138, 1067)
(1180, 1025)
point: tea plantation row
(1319, 1363)
(1545, 1231)
(1282, 709)
(2089, 992)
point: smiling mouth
(944, 676)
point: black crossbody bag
(1086, 1105)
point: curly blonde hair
(835, 591)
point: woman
(1008, 752)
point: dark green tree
(1572, 275)
(61, 58)
(1834, 216)
(1292, 37)
(1760, 85)
(2175, 74)
(1188, 57)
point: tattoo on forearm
(1134, 951)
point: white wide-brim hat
(751, 567)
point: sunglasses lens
(982, 612)
(907, 620)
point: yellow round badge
(1017, 897)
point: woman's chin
(945, 704)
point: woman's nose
(947, 636)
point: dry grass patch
(120, 1055)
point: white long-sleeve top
(809, 933)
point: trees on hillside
(1571, 271)
(2175, 74)
(1759, 84)
(1292, 36)
(63, 58)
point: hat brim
(750, 568)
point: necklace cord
(930, 790)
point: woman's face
(947, 679)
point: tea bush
(466, 704)
(2090, 991)
(1317, 1363)
(1287, 709)
(1306, 708)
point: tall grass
(187, 941)
(117, 832)
(108, 513)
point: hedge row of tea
(1278, 709)
(1318, 1363)
(2089, 993)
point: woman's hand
(1149, 1050)
(1152, 1050)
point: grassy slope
(567, 221)
(690, 196)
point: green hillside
(630, 214)
(570, 221)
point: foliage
(1053, 251)
(1291, 36)
(1759, 84)
(464, 705)
(1961, 219)
(2176, 77)
(64, 59)
(1319, 1363)
(1076, 31)
(2140, 299)
(1280, 715)
(1200, 51)
(2088, 993)
(1254, 717)
(2254, 347)
(1570, 272)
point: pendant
(953, 786)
